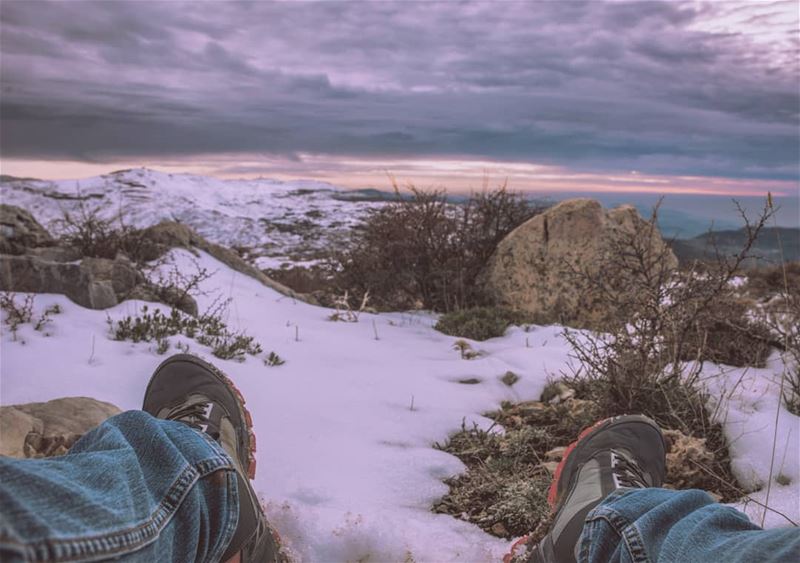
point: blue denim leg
(135, 488)
(649, 525)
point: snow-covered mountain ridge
(275, 221)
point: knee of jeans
(117, 429)
(131, 417)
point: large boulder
(534, 268)
(51, 428)
(19, 231)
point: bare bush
(176, 286)
(649, 354)
(16, 314)
(424, 252)
(95, 236)
(344, 312)
(781, 314)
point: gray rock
(56, 253)
(170, 296)
(96, 283)
(51, 428)
(19, 231)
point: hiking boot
(186, 389)
(624, 451)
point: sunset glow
(648, 97)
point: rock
(51, 428)
(169, 234)
(533, 268)
(56, 253)
(19, 231)
(499, 530)
(120, 273)
(509, 378)
(15, 425)
(39, 266)
(555, 454)
(171, 296)
(96, 283)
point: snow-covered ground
(344, 462)
(281, 222)
(345, 427)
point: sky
(653, 97)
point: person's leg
(135, 488)
(678, 526)
(171, 483)
(609, 508)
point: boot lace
(627, 472)
(194, 415)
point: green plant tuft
(208, 330)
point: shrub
(273, 360)
(208, 330)
(423, 252)
(18, 314)
(782, 316)
(728, 334)
(766, 282)
(643, 361)
(479, 323)
(96, 237)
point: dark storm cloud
(586, 85)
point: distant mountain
(767, 249)
(274, 221)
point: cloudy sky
(554, 95)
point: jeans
(648, 525)
(141, 489)
(135, 488)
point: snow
(281, 222)
(750, 400)
(346, 467)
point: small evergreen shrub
(208, 330)
(273, 360)
(479, 323)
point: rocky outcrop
(169, 234)
(31, 261)
(534, 268)
(96, 283)
(20, 231)
(51, 428)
